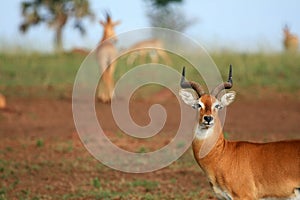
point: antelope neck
(210, 134)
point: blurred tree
(163, 3)
(56, 14)
(163, 13)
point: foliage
(169, 17)
(163, 3)
(164, 14)
(55, 13)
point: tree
(55, 13)
(163, 13)
(163, 3)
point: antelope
(2, 101)
(105, 53)
(153, 47)
(290, 41)
(239, 170)
(80, 51)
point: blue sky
(231, 24)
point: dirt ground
(42, 158)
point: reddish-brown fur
(248, 170)
(2, 101)
(290, 41)
(80, 51)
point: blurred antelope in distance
(152, 47)
(105, 53)
(290, 41)
(80, 51)
(2, 101)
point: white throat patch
(203, 133)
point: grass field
(38, 75)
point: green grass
(53, 75)
(276, 71)
(38, 70)
(96, 183)
(39, 143)
(148, 185)
(37, 75)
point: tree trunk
(58, 40)
(61, 20)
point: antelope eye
(196, 106)
(218, 106)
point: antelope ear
(117, 23)
(227, 98)
(188, 97)
(102, 23)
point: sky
(254, 25)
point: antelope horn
(191, 84)
(225, 85)
(107, 15)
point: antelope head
(207, 105)
(286, 30)
(108, 26)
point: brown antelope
(290, 41)
(106, 52)
(2, 101)
(240, 170)
(151, 47)
(80, 51)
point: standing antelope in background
(151, 47)
(290, 41)
(105, 53)
(240, 170)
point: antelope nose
(208, 118)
